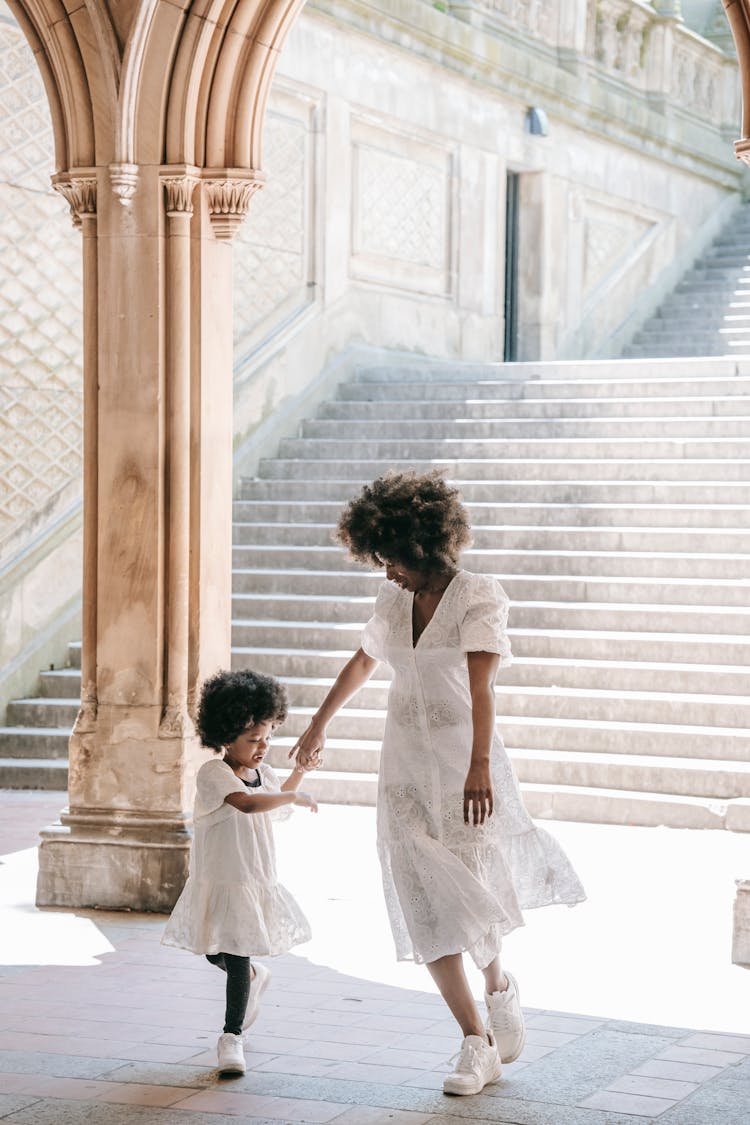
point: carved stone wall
(40, 306)
(273, 251)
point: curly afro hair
(417, 521)
(232, 701)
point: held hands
(309, 748)
(305, 800)
(478, 798)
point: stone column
(157, 513)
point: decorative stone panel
(617, 38)
(697, 77)
(274, 248)
(40, 304)
(402, 209)
(610, 234)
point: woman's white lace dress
(451, 887)
(232, 901)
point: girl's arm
(291, 783)
(352, 676)
(265, 802)
(478, 786)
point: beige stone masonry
(128, 86)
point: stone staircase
(708, 314)
(613, 500)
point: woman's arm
(265, 802)
(478, 798)
(352, 676)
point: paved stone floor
(101, 1024)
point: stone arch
(738, 15)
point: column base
(112, 861)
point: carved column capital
(78, 189)
(229, 192)
(124, 180)
(179, 184)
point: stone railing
(642, 45)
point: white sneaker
(478, 1063)
(230, 1054)
(505, 1019)
(258, 986)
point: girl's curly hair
(417, 521)
(232, 701)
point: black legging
(238, 987)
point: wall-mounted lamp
(537, 122)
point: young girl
(232, 906)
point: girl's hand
(478, 798)
(309, 748)
(304, 799)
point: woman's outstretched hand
(309, 748)
(478, 798)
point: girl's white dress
(451, 887)
(232, 901)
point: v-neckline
(415, 644)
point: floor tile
(627, 1103)
(652, 1087)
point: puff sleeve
(484, 624)
(214, 781)
(376, 630)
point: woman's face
(405, 577)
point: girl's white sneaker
(230, 1054)
(478, 1063)
(505, 1019)
(258, 986)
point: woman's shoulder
(480, 588)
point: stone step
(618, 564)
(656, 350)
(548, 673)
(605, 675)
(519, 587)
(543, 702)
(593, 468)
(515, 430)
(33, 773)
(659, 647)
(693, 778)
(497, 513)
(563, 735)
(569, 802)
(35, 742)
(497, 450)
(699, 407)
(588, 371)
(411, 388)
(524, 614)
(662, 494)
(509, 537)
(611, 806)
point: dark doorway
(510, 345)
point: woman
(460, 854)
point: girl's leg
(238, 991)
(217, 959)
(448, 974)
(495, 979)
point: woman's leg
(238, 992)
(495, 979)
(448, 974)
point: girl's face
(251, 747)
